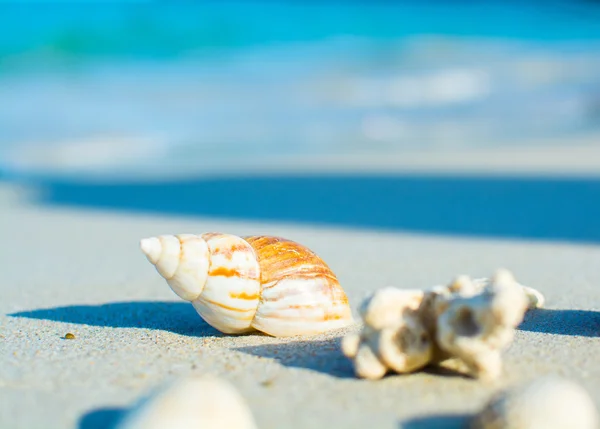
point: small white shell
(549, 402)
(242, 284)
(191, 403)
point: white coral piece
(393, 337)
(190, 403)
(476, 327)
(473, 320)
(550, 402)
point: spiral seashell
(243, 284)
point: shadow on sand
(539, 208)
(177, 317)
(582, 323)
(323, 356)
(101, 418)
(450, 421)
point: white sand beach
(79, 270)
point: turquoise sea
(101, 86)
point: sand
(78, 269)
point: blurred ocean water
(103, 87)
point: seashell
(255, 283)
(549, 402)
(393, 337)
(190, 403)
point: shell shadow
(177, 317)
(443, 421)
(323, 356)
(582, 323)
(101, 418)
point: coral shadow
(582, 323)
(323, 356)
(449, 421)
(101, 418)
(326, 356)
(177, 317)
(440, 370)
